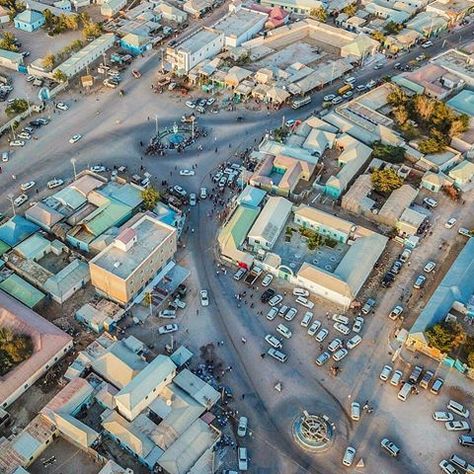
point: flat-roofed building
(125, 267)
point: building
(203, 44)
(171, 13)
(240, 25)
(399, 200)
(410, 221)
(4, 15)
(462, 174)
(135, 43)
(269, 223)
(111, 7)
(145, 387)
(50, 344)
(10, 60)
(294, 6)
(402, 41)
(433, 181)
(453, 295)
(452, 10)
(138, 256)
(100, 316)
(87, 55)
(197, 7)
(458, 63)
(463, 102)
(16, 230)
(29, 21)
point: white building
(87, 55)
(111, 7)
(203, 44)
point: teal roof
(239, 225)
(29, 16)
(463, 102)
(34, 245)
(22, 290)
(16, 229)
(70, 197)
(251, 196)
(125, 193)
(106, 216)
(4, 247)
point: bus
(345, 88)
(300, 102)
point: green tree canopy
(7, 41)
(389, 153)
(445, 336)
(17, 107)
(150, 197)
(319, 14)
(14, 349)
(385, 180)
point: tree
(400, 114)
(14, 349)
(397, 97)
(386, 180)
(12, 6)
(389, 153)
(451, 192)
(350, 10)
(319, 14)
(69, 22)
(150, 197)
(18, 106)
(91, 30)
(458, 126)
(445, 336)
(59, 76)
(8, 42)
(470, 360)
(378, 36)
(424, 106)
(392, 28)
(49, 61)
(431, 145)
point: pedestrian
(243, 396)
(262, 355)
(243, 340)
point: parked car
(430, 202)
(396, 312)
(396, 378)
(457, 408)
(98, 169)
(466, 441)
(267, 279)
(355, 411)
(443, 416)
(291, 313)
(426, 379)
(464, 231)
(353, 342)
(415, 374)
(278, 355)
(303, 301)
(349, 456)
(340, 354)
(385, 374)
(275, 300)
(271, 315)
(457, 426)
(314, 327)
(203, 294)
(190, 104)
(21, 199)
(284, 331)
(447, 467)
(390, 447)
(243, 459)
(436, 387)
(55, 183)
(329, 97)
(322, 358)
(169, 328)
(274, 341)
(16, 143)
(335, 344)
(429, 267)
(450, 223)
(419, 282)
(368, 306)
(27, 185)
(342, 328)
(308, 316)
(339, 318)
(267, 295)
(62, 106)
(242, 428)
(179, 191)
(358, 324)
(300, 292)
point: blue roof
(127, 193)
(457, 285)
(463, 102)
(251, 196)
(16, 230)
(29, 16)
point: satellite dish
(44, 94)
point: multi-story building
(140, 254)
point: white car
(334, 345)
(355, 411)
(26, 186)
(305, 302)
(350, 80)
(17, 143)
(429, 267)
(457, 426)
(430, 202)
(358, 324)
(339, 318)
(371, 84)
(242, 429)
(273, 341)
(329, 97)
(340, 354)
(5, 156)
(396, 312)
(275, 300)
(243, 459)
(203, 193)
(187, 172)
(308, 316)
(210, 101)
(97, 169)
(192, 199)
(169, 328)
(322, 334)
(314, 327)
(385, 374)
(55, 183)
(354, 341)
(442, 416)
(450, 223)
(447, 467)
(300, 292)
(428, 44)
(75, 138)
(290, 315)
(179, 191)
(342, 328)
(267, 279)
(396, 378)
(21, 199)
(190, 104)
(271, 315)
(349, 456)
(204, 298)
(62, 106)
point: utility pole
(192, 129)
(73, 162)
(10, 197)
(156, 125)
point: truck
(345, 88)
(252, 275)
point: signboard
(87, 81)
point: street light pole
(10, 197)
(156, 125)
(73, 162)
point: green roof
(106, 216)
(236, 230)
(22, 290)
(4, 247)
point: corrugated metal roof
(17, 229)
(22, 291)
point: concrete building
(203, 44)
(10, 60)
(269, 223)
(137, 256)
(50, 344)
(135, 43)
(294, 6)
(240, 25)
(409, 222)
(100, 316)
(145, 387)
(29, 21)
(462, 174)
(453, 10)
(87, 55)
(427, 24)
(197, 7)
(458, 63)
(110, 7)
(452, 296)
(171, 13)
